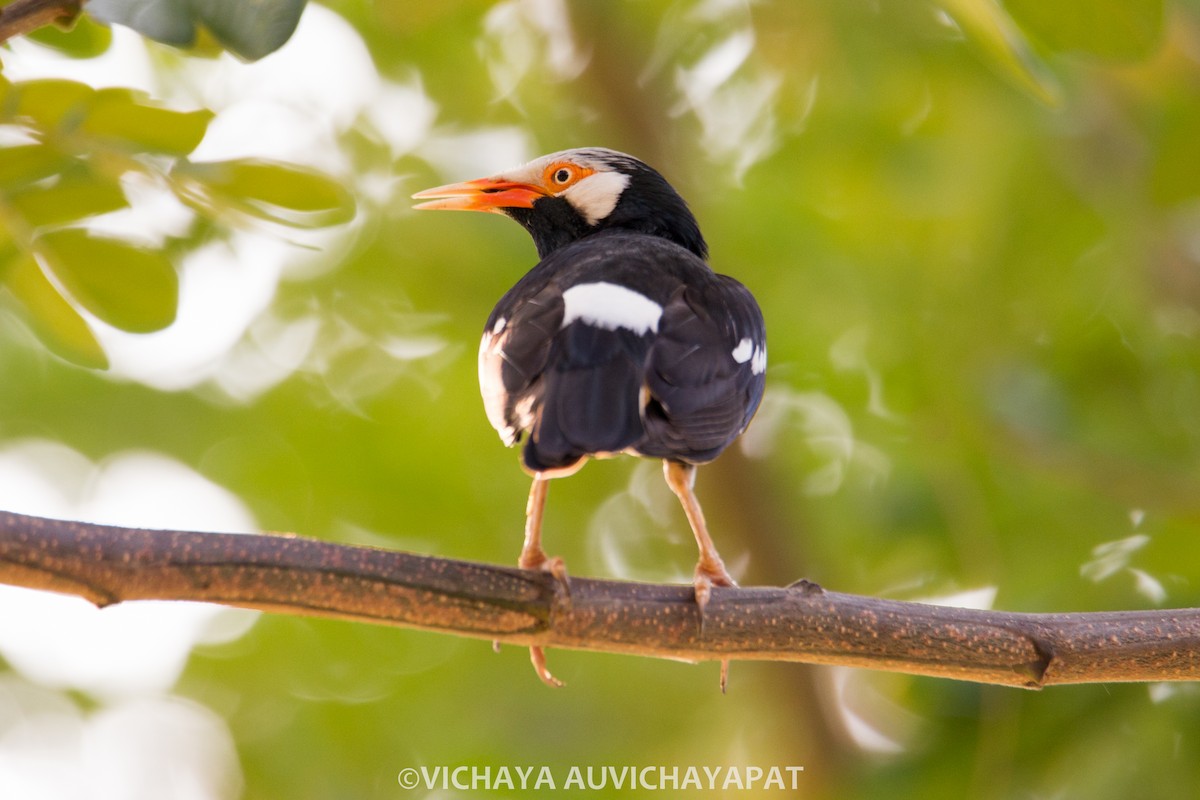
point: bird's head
(566, 196)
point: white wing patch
(491, 385)
(745, 348)
(609, 306)
(758, 362)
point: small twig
(22, 16)
(288, 574)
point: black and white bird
(621, 339)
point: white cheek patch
(609, 306)
(596, 196)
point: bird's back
(622, 342)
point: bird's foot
(538, 560)
(708, 576)
(554, 565)
(538, 657)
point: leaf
(276, 192)
(1117, 29)
(167, 21)
(76, 195)
(1175, 175)
(129, 287)
(28, 163)
(85, 39)
(52, 318)
(124, 115)
(994, 33)
(250, 29)
(50, 102)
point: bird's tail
(589, 406)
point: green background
(974, 231)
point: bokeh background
(974, 230)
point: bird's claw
(538, 657)
(708, 576)
(554, 565)
(557, 568)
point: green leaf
(52, 318)
(28, 163)
(85, 39)
(168, 21)
(250, 29)
(124, 115)
(1117, 29)
(76, 195)
(276, 192)
(1175, 175)
(994, 33)
(129, 287)
(50, 102)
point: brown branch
(294, 575)
(23, 16)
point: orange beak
(482, 194)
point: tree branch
(288, 574)
(22, 16)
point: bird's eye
(562, 176)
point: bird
(620, 340)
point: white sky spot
(166, 748)
(126, 63)
(131, 648)
(472, 154)
(529, 36)
(223, 289)
(609, 306)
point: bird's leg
(710, 569)
(532, 554)
(534, 557)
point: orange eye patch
(564, 174)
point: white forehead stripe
(596, 196)
(609, 306)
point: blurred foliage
(248, 30)
(973, 229)
(69, 149)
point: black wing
(705, 371)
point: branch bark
(23, 16)
(289, 574)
